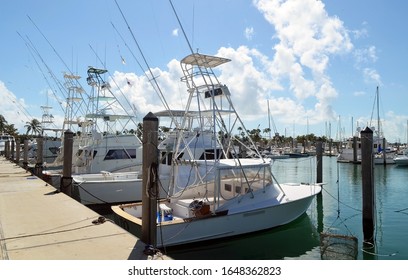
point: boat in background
(101, 141)
(215, 194)
(402, 159)
(382, 152)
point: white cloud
(249, 32)
(360, 93)
(372, 76)
(361, 33)
(307, 38)
(175, 32)
(364, 56)
(13, 109)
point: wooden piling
(25, 155)
(66, 179)
(17, 151)
(12, 151)
(39, 157)
(367, 174)
(7, 149)
(355, 149)
(319, 159)
(384, 152)
(319, 179)
(150, 168)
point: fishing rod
(31, 49)
(156, 86)
(55, 51)
(130, 105)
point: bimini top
(203, 60)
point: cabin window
(214, 92)
(166, 157)
(120, 154)
(228, 187)
(209, 154)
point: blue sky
(317, 62)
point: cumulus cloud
(249, 32)
(12, 108)
(372, 76)
(367, 55)
(307, 38)
(145, 94)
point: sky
(317, 64)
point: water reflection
(290, 241)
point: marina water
(340, 212)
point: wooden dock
(39, 223)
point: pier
(39, 223)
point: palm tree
(34, 127)
(11, 130)
(3, 124)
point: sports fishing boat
(101, 143)
(215, 193)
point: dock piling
(319, 159)
(17, 161)
(149, 191)
(39, 157)
(66, 179)
(367, 174)
(355, 148)
(25, 155)
(319, 179)
(12, 151)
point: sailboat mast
(269, 121)
(378, 114)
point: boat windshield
(253, 177)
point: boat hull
(401, 160)
(111, 188)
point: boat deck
(38, 223)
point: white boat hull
(401, 160)
(110, 188)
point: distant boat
(402, 160)
(218, 194)
(274, 154)
(382, 153)
(296, 152)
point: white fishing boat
(101, 142)
(111, 188)
(402, 159)
(215, 194)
